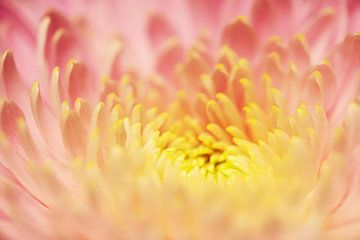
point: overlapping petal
(184, 120)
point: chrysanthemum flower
(179, 119)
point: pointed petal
(79, 82)
(159, 30)
(13, 124)
(10, 81)
(299, 53)
(169, 57)
(241, 37)
(74, 135)
(43, 118)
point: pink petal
(241, 37)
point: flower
(180, 120)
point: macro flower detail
(179, 119)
